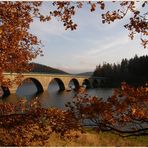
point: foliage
(133, 71)
(137, 20)
(26, 122)
(124, 113)
(18, 46)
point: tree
(18, 46)
(138, 22)
(26, 123)
(124, 113)
(132, 71)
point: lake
(52, 97)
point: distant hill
(39, 68)
(86, 74)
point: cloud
(51, 28)
(102, 48)
(109, 46)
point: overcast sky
(91, 44)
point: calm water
(52, 97)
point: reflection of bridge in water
(42, 81)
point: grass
(91, 138)
(87, 139)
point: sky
(93, 43)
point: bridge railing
(53, 75)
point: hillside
(86, 74)
(39, 68)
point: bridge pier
(6, 91)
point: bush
(27, 122)
(124, 113)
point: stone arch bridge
(42, 81)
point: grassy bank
(91, 138)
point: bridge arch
(36, 82)
(86, 83)
(59, 83)
(75, 83)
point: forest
(133, 71)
